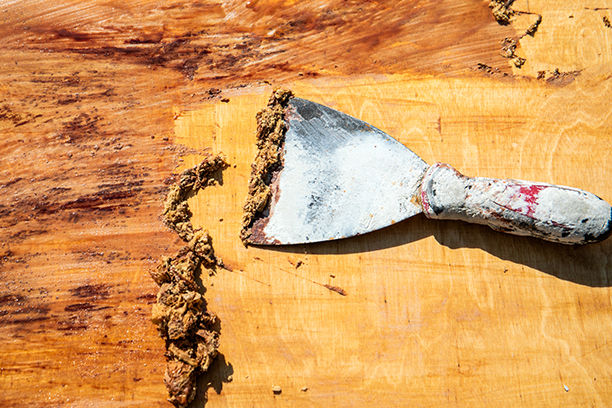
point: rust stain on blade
(258, 235)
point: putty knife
(342, 177)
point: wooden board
(434, 311)
(102, 102)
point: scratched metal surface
(341, 177)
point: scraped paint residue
(191, 332)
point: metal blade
(341, 177)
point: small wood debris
(336, 289)
(504, 14)
(518, 62)
(531, 30)
(502, 11)
(508, 50)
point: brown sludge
(502, 11)
(531, 30)
(190, 331)
(509, 51)
(504, 14)
(271, 129)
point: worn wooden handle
(554, 213)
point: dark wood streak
(84, 306)
(97, 291)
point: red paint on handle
(531, 192)
(562, 214)
(525, 200)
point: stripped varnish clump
(271, 129)
(502, 11)
(177, 215)
(504, 14)
(190, 331)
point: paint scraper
(321, 174)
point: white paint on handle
(554, 213)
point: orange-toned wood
(103, 101)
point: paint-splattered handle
(554, 213)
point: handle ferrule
(553, 213)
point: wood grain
(102, 102)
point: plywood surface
(103, 102)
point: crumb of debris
(214, 92)
(271, 130)
(606, 22)
(180, 314)
(508, 47)
(518, 62)
(276, 389)
(531, 30)
(331, 275)
(541, 74)
(503, 14)
(298, 264)
(489, 69)
(304, 389)
(180, 381)
(336, 289)
(508, 50)
(225, 100)
(502, 11)
(566, 388)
